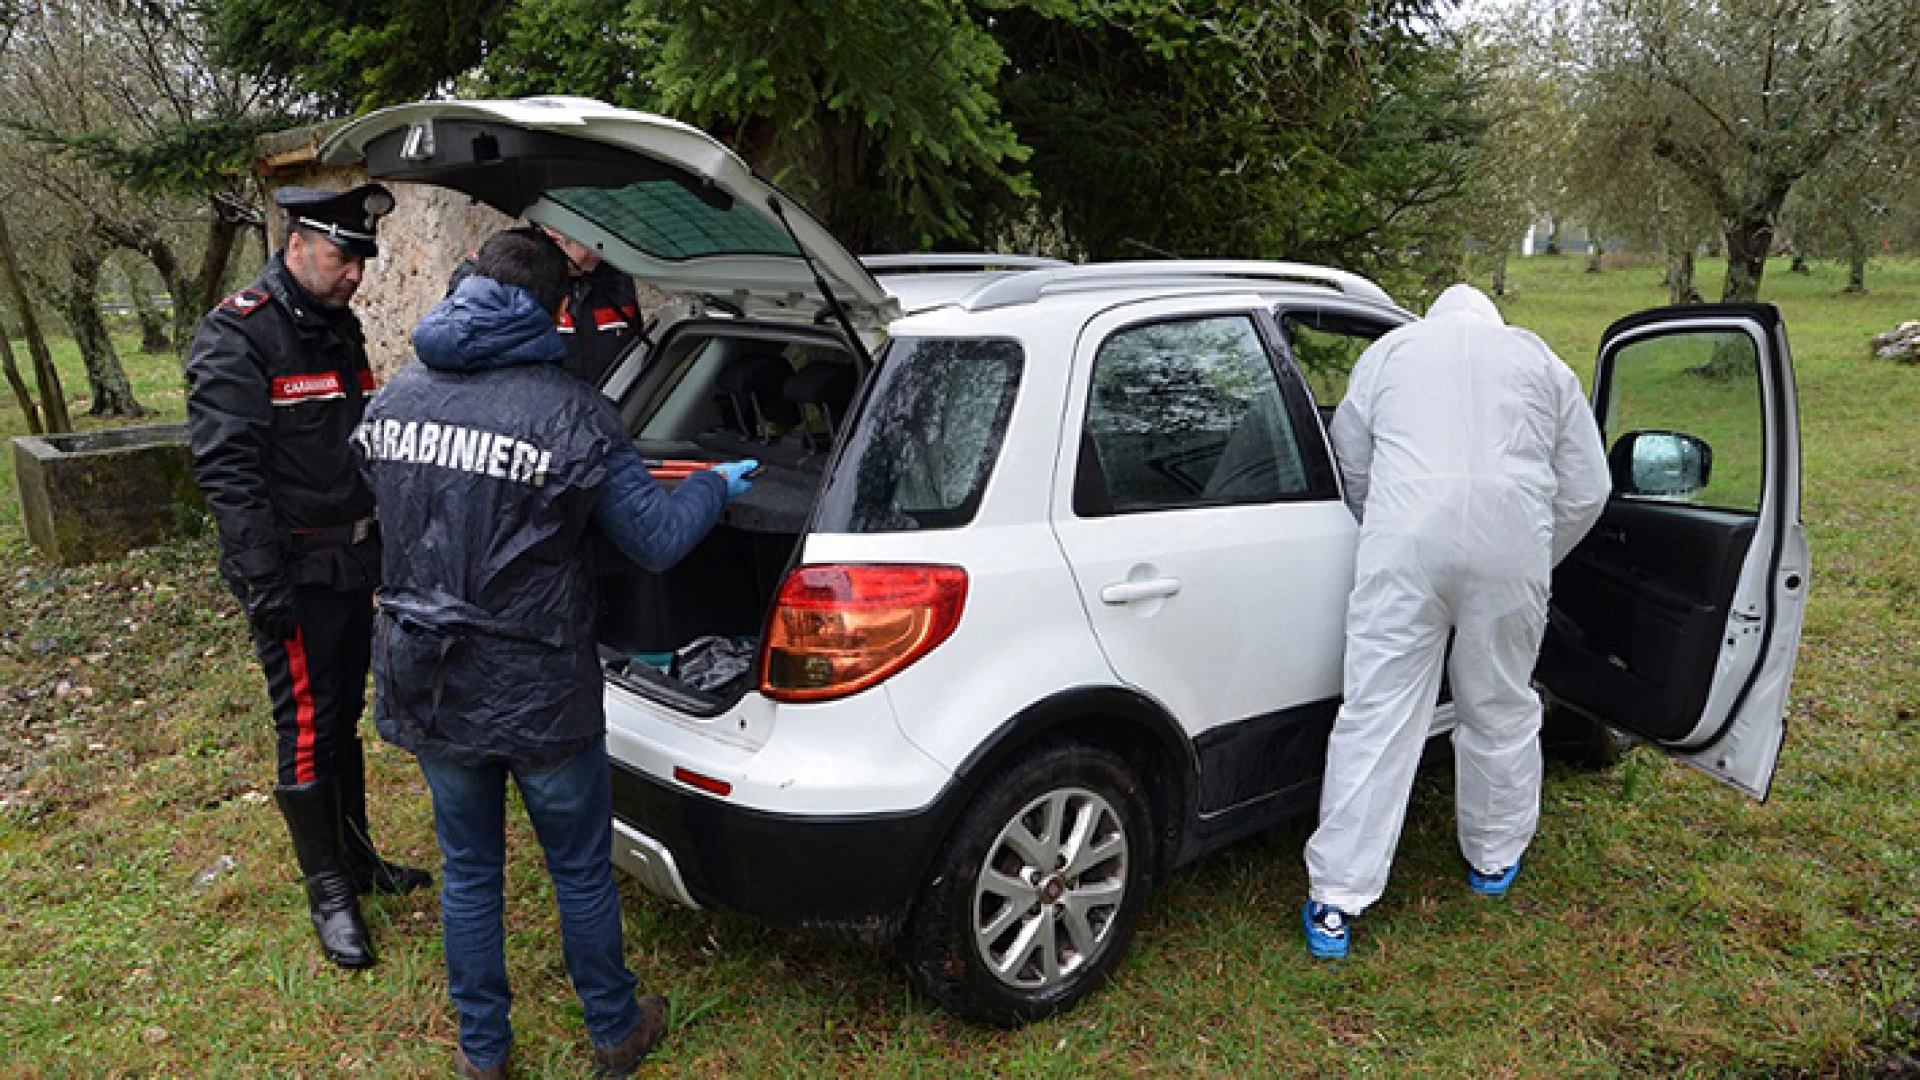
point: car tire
(1578, 739)
(1036, 894)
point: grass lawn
(152, 922)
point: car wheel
(1575, 738)
(1035, 897)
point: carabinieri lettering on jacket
(450, 446)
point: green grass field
(1665, 927)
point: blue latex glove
(735, 474)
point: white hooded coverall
(1474, 464)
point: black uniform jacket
(276, 385)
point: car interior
(719, 393)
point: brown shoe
(467, 1070)
(624, 1058)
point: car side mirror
(1661, 464)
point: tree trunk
(1500, 273)
(1553, 235)
(156, 334)
(1746, 261)
(52, 398)
(211, 280)
(1680, 288)
(266, 244)
(193, 294)
(1859, 246)
(1596, 251)
(1748, 241)
(20, 392)
(184, 291)
(112, 395)
(1799, 265)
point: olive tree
(1521, 59)
(1744, 99)
(1848, 206)
(172, 131)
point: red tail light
(839, 629)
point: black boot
(369, 871)
(313, 817)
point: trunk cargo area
(679, 632)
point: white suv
(1044, 598)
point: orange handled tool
(675, 468)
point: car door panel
(1197, 509)
(1677, 619)
(1637, 609)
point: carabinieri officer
(277, 379)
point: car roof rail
(949, 261)
(1029, 287)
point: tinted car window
(665, 219)
(1189, 413)
(925, 443)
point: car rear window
(665, 220)
(924, 445)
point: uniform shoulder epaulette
(246, 301)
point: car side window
(1326, 345)
(1187, 413)
(1692, 387)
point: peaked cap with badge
(348, 218)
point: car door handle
(1132, 592)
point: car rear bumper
(852, 874)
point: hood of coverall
(1465, 301)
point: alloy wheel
(1048, 892)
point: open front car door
(1678, 618)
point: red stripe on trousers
(303, 772)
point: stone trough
(96, 494)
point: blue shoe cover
(1495, 884)
(1326, 928)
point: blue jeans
(571, 806)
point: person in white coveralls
(1472, 460)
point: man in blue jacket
(491, 468)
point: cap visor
(366, 249)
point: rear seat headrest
(749, 391)
(757, 372)
(821, 384)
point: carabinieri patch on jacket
(610, 318)
(449, 446)
(314, 386)
(246, 301)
